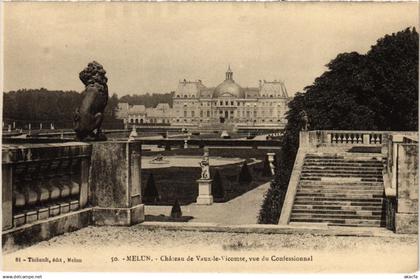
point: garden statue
(133, 133)
(89, 116)
(158, 158)
(305, 120)
(205, 165)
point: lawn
(180, 182)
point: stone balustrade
(332, 138)
(43, 180)
(53, 188)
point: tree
(217, 188)
(245, 176)
(375, 91)
(176, 210)
(266, 171)
(47, 106)
(148, 100)
(151, 193)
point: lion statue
(89, 116)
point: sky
(150, 47)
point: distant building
(139, 114)
(227, 104)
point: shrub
(176, 210)
(217, 188)
(245, 176)
(274, 198)
(151, 193)
(266, 171)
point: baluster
(374, 138)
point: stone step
(338, 212)
(340, 191)
(343, 222)
(337, 215)
(334, 183)
(331, 169)
(318, 178)
(345, 155)
(377, 208)
(344, 168)
(358, 160)
(339, 187)
(346, 161)
(340, 195)
(342, 164)
(305, 201)
(374, 200)
(342, 174)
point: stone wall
(406, 217)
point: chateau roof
(137, 109)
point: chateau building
(139, 114)
(228, 103)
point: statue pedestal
(204, 192)
(115, 190)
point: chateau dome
(229, 87)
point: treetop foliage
(373, 91)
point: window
(208, 113)
(221, 103)
(185, 113)
(185, 96)
(231, 103)
(226, 103)
(192, 113)
(201, 113)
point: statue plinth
(115, 184)
(205, 196)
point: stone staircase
(341, 190)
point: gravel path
(241, 210)
(95, 246)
